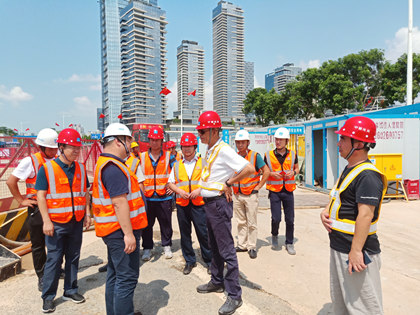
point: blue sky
(50, 50)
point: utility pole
(410, 54)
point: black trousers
(39, 255)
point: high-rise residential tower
(281, 76)
(143, 62)
(228, 61)
(111, 58)
(133, 61)
(190, 66)
(249, 76)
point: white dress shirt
(225, 165)
(25, 169)
(189, 167)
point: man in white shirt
(184, 180)
(223, 167)
(27, 170)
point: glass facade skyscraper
(190, 77)
(111, 58)
(133, 61)
(281, 76)
(228, 61)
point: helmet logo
(78, 139)
(155, 131)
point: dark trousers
(122, 276)
(66, 241)
(219, 215)
(196, 215)
(39, 255)
(162, 210)
(276, 200)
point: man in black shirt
(351, 220)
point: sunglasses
(202, 131)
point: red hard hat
(170, 144)
(360, 128)
(188, 139)
(70, 136)
(209, 119)
(155, 133)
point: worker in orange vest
(283, 165)
(135, 149)
(245, 196)
(27, 170)
(184, 180)
(63, 200)
(120, 214)
(156, 165)
(171, 146)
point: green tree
(7, 131)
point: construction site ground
(274, 283)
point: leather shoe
(252, 253)
(188, 268)
(210, 287)
(230, 306)
(240, 250)
(103, 268)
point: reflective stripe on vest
(133, 163)
(37, 161)
(345, 225)
(274, 165)
(248, 184)
(157, 177)
(63, 199)
(186, 183)
(103, 209)
(207, 169)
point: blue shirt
(155, 196)
(42, 181)
(114, 179)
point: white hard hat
(47, 137)
(242, 135)
(117, 129)
(282, 133)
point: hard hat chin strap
(365, 145)
(127, 151)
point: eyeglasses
(201, 131)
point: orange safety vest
(178, 156)
(157, 177)
(188, 184)
(273, 163)
(62, 199)
(132, 163)
(106, 220)
(133, 155)
(248, 184)
(37, 161)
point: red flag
(57, 125)
(192, 93)
(26, 129)
(165, 91)
(120, 116)
(101, 116)
(71, 125)
(16, 130)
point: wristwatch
(228, 185)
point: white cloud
(82, 100)
(84, 106)
(310, 64)
(398, 45)
(15, 95)
(96, 87)
(84, 78)
(257, 84)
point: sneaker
(274, 242)
(104, 268)
(76, 298)
(147, 255)
(240, 250)
(168, 252)
(210, 287)
(230, 306)
(290, 249)
(188, 268)
(48, 306)
(40, 284)
(252, 253)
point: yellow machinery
(391, 165)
